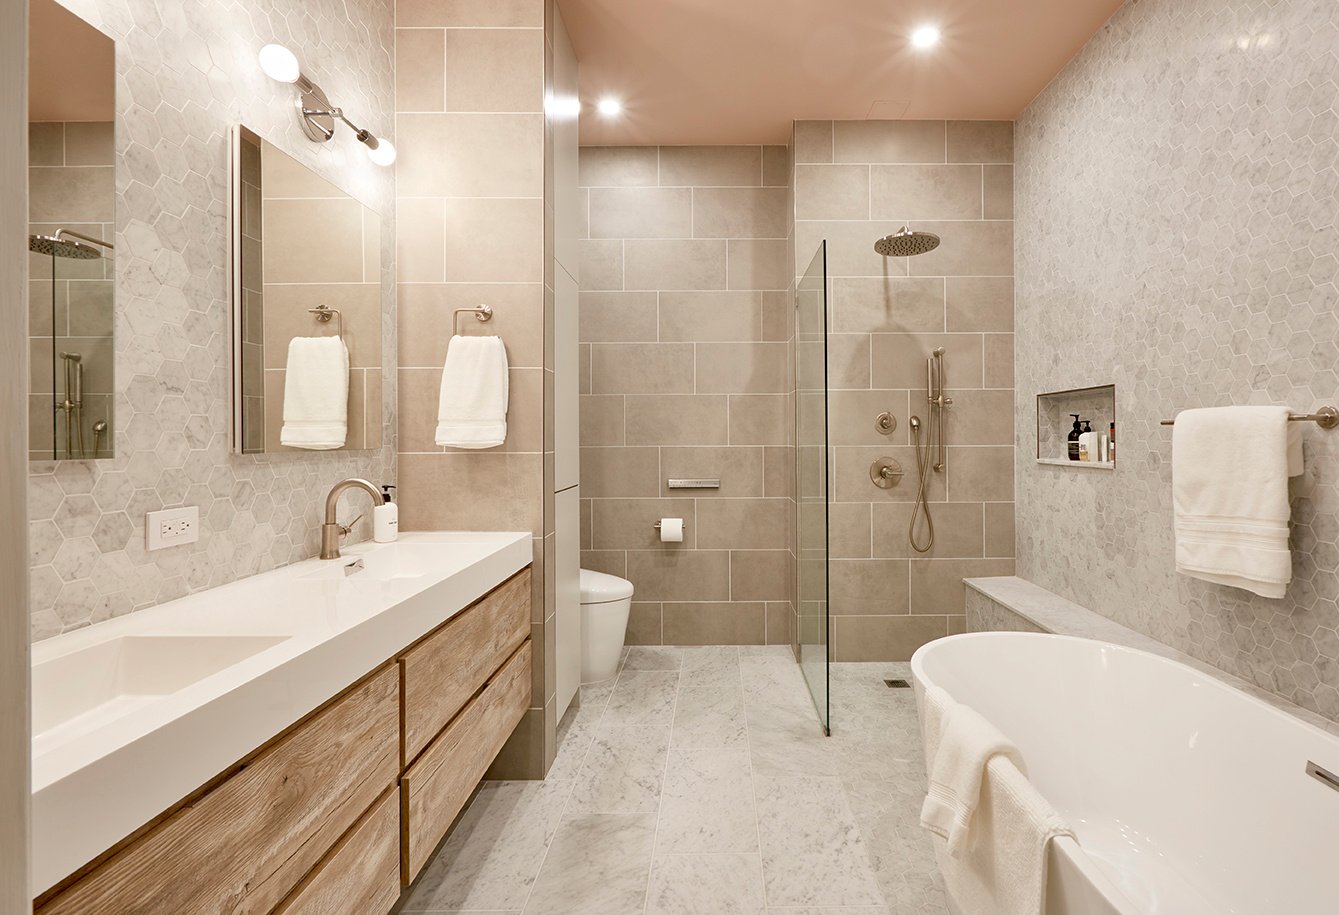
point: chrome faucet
(332, 531)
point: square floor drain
(897, 683)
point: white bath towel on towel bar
(991, 827)
(472, 406)
(1230, 469)
(316, 394)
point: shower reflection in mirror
(71, 219)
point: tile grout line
(753, 780)
(568, 801)
(664, 775)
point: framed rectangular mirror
(306, 278)
(71, 224)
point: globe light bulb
(279, 63)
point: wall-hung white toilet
(606, 601)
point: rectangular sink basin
(86, 688)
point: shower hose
(922, 505)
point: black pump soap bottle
(1074, 438)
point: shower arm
(62, 233)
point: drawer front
(244, 845)
(361, 874)
(438, 784)
(444, 670)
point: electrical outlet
(172, 527)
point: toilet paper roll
(671, 530)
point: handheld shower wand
(938, 401)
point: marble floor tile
(707, 804)
(597, 864)
(709, 716)
(783, 652)
(642, 697)
(700, 884)
(788, 740)
(812, 849)
(493, 856)
(623, 771)
(653, 657)
(773, 681)
(711, 665)
(835, 821)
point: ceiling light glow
(610, 106)
(927, 36)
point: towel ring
(323, 315)
(481, 312)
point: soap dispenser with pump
(1074, 438)
(386, 518)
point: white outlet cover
(172, 527)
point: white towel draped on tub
(316, 394)
(991, 826)
(472, 410)
(1230, 469)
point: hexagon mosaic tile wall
(1176, 198)
(186, 73)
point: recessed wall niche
(1055, 419)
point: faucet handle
(346, 529)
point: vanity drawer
(243, 845)
(447, 667)
(438, 784)
(361, 874)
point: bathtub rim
(1084, 881)
(1201, 675)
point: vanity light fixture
(317, 114)
(926, 36)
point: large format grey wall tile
(857, 181)
(687, 322)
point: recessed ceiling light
(927, 36)
(610, 106)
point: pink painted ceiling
(739, 71)
(71, 67)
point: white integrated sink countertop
(133, 714)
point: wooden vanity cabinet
(243, 846)
(439, 783)
(339, 812)
(449, 665)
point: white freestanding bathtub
(1186, 795)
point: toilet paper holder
(657, 525)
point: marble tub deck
(698, 781)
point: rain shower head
(906, 243)
(65, 243)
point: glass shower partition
(812, 478)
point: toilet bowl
(606, 601)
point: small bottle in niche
(1111, 443)
(1087, 442)
(1074, 438)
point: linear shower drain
(897, 683)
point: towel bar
(1326, 417)
(482, 312)
(323, 315)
